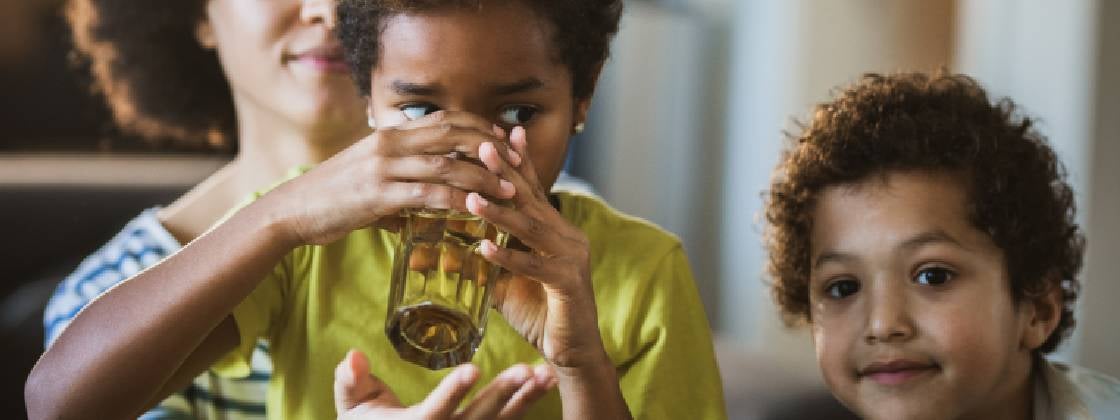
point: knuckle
(445, 128)
(420, 190)
(535, 226)
(382, 141)
(375, 167)
(481, 180)
(535, 263)
(441, 164)
(438, 196)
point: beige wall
(1098, 330)
(787, 56)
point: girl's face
(281, 57)
(912, 315)
(497, 62)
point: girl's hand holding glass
(549, 298)
(394, 168)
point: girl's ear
(204, 33)
(1042, 313)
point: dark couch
(53, 212)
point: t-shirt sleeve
(260, 312)
(255, 317)
(673, 373)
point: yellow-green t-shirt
(320, 301)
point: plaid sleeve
(142, 243)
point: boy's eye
(517, 114)
(842, 288)
(415, 111)
(933, 276)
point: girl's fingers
(431, 140)
(530, 265)
(524, 192)
(445, 170)
(544, 380)
(440, 133)
(491, 400)
(444, 400)
(396, 196)
(517, 139)
(524, 224)
(450, 118)
(353, 384)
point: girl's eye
(415, 111)
(517, 114)
(842, 288)
(933, 276)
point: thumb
(354, 385)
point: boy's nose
(888, 316)
(318, 12)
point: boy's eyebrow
(403, 88)
(520, 86)
(926, 238)
(914, 242)
(832, 256)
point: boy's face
(496, 62)
(912, 315)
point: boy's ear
(1043, 313)
(204, 34)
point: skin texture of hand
(406, 166)
(358, 395)
(549, 298)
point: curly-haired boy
(927, 237)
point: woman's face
(281, 57)
(496, 62)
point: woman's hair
(582, 31)
(157, 79)
(1016, 186)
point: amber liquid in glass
(440, 293)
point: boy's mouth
(897, 371)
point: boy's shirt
(320, 301)
(1065, 392)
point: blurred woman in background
(266, 79)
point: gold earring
(578, 129)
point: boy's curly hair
(582, 31)
(157, 79)
(913, 121)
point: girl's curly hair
(157, 79)
(912, 121)
(582, 32)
